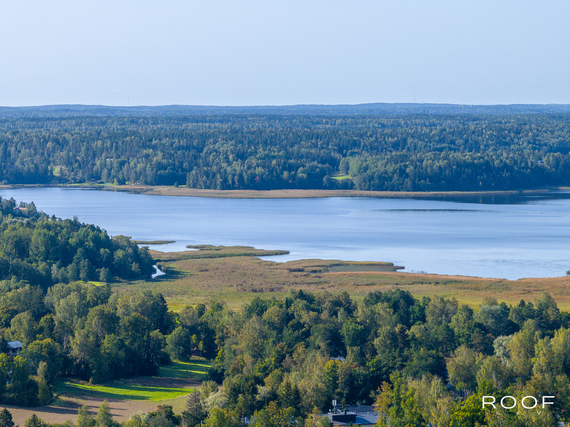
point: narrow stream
(157, 272)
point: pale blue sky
(280, 52)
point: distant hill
(358, 109)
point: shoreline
(293, 193)
(451, 198)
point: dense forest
(279, 361)
(42, 251)
(402, 152)
(55, 299)
(421, 362)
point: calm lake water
(530, 239)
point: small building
(353, 415)
(14, 348)
(342, 416)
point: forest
(280, 361)
(40, 250)
(396, 152)
(53, 272)
(420, 361)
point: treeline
(42, 250)
(421, 362)
(401, 152)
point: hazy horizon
(282, 53)
(274, 105)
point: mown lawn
(142, 388)
(120, 390)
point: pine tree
(6, 419)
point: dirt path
(66, 407)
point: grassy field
(125, 397)
(120, 390)
(170, 383)
(195, 370)
(238, 279)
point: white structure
(14, 348)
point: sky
(283, 52)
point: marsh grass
(210, 251)
(153, 242)
(301, 194)
(239, 279)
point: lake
(512, 240)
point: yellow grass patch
(239, 279)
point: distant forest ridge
(303, 109)
(247, 151)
